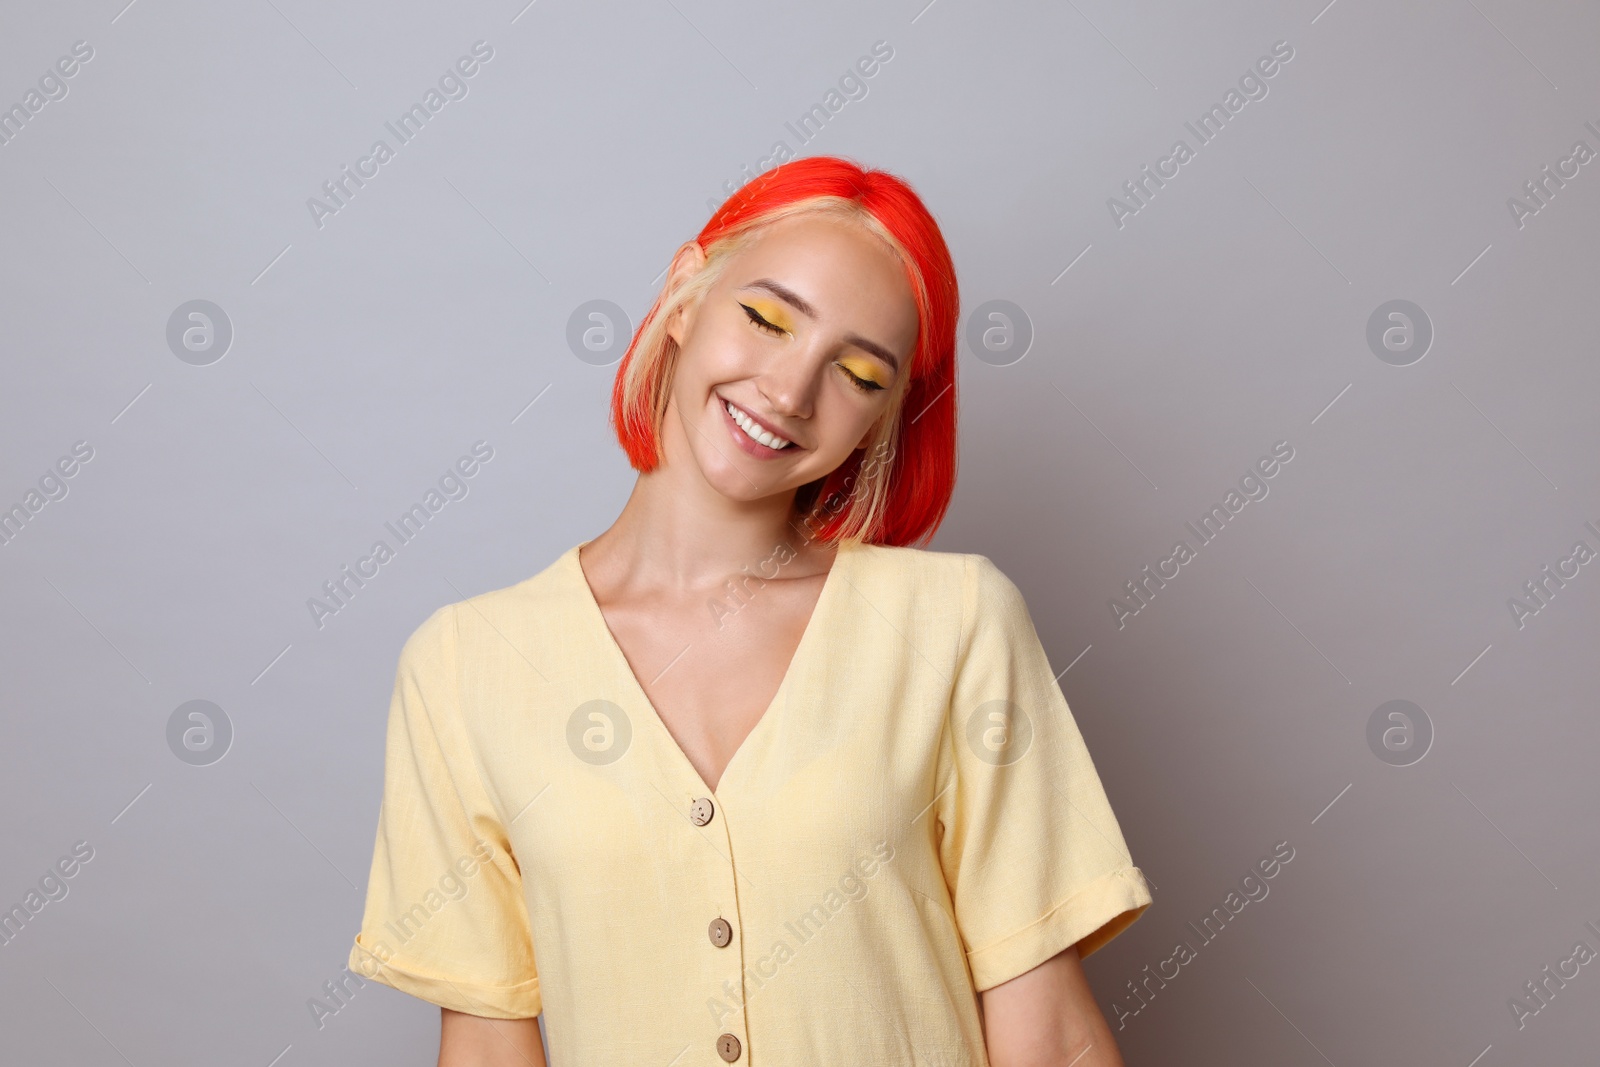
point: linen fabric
(915, 818)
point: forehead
(848, 274)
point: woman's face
(802, 341)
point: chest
(713, 666)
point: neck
(691, 537)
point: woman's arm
(1047, 1018)
(473, 1041)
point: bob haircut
(895, 490)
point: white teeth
(753, 430)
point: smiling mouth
(754, 430)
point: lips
(752, 434)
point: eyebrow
(800, 304)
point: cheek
(849, 422)
(717, 353)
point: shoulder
(969, 578)
(524, 611)
(990, 588)
(904, 557)
(927, 563)
(917, 569)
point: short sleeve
(445, 919)
(1031, 851)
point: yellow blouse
(914, 819)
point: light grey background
(1228, 314)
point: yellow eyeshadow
(865, 368)
(773, 312)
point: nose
(789, 385)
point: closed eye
(866, 385)
(755, 317)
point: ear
(688, 261)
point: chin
(746, 487)
(744, 482)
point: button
(721, 932)
(728, 1047)
(700, 811)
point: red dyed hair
(900, 495)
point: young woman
(753, 780)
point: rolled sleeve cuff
(1089, 919)
(520, 1001)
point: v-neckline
(591, 607)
